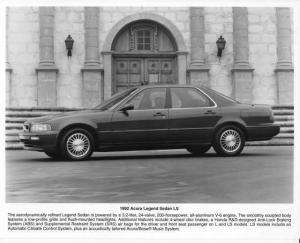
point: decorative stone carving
(155, 38)
(131, 40)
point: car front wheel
(229, 141)
(77, 144)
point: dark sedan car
(152, 117)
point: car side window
(152, 98)
(188, 98)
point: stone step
(285, 123)
(28, 114)
(12, 132)
(36, 112)
(15, 119)
(12, 146)
(285, 135)
(286, 129)
(17, 126)
(284, 118)
(49, 109)
(280, 107)
(283, 112)
(12, 139)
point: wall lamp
(69, 45)
(221, 42)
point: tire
(77, 144)
(229, 141)
(53, 155)
(198, 150)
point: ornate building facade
(119, 47)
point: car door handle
(159, 114)
(209, 112)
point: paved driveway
(258, 175)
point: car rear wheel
(198, 150)
(229, 141)
(77, 144)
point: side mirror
(126, 108)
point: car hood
(59, 115)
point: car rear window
(189, 98)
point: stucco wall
(23, 54)
(218, 21)
(69, 20)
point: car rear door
(147, 123)
(192, 116)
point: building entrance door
(144, 52)
(135, 71)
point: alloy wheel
(78, 145)
(230, 140)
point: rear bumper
(45, 141)
(259, 133)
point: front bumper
(43, 141)
(260, 133)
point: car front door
(146, 123)
(192, 116)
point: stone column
(107, 64)
(91, 72)
(181, 61)
(198, 70)
(284, 69)
(46, 70)
(8, 69)
(241, 72)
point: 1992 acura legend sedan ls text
(152, 117)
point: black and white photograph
(149, 104)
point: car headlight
(40, 127)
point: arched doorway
(110, 54)
(143, 52)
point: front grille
(26, 127)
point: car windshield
(115, 99)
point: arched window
(144, 39)
(144, 36)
